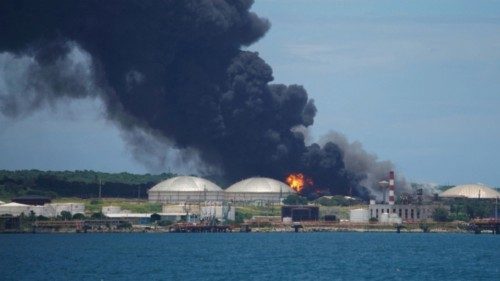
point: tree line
(82, 184)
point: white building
(55, 209)
(219, 212)
(47, 210)
(409, 212)
(15, 209)
(359, 215)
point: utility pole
(496, 210)
(100, 188)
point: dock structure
(478, 225)
(190, 227)
(78, 225)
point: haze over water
(252, 256)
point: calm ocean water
(250, 256)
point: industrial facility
(390, 212)
(184, 189)
(193, 204)
(50, 210)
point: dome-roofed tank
(185, 189)
(476, 191)
(258, 189)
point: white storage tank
(258, 190)
(359, 215)
(185, 189)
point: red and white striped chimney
(391, 188)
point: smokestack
(391, 188)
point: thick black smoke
(173, 69)
(365, 168)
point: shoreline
(253, 230)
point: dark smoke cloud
(171, 73)
(30, 85)
(365, 169)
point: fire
(298, 181)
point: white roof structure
(260, 185)
(14, 204)
(186, 184)
(128, 215)
(476, 191)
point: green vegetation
(425, 226)
(65, 215)
(81, 184)
(97, 216)
(466, 209)
(441, 215)
(294, 199)
(155, 217)
(247, 212)
(165, 223)
(79, 216)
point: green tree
(240, 217)
(78, 216)
(65, 215)
(294, 199)
(97, 215)
(155, 217)
(441, 215)
(124, 224)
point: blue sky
(417, 82)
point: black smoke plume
(174, 69)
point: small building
(359, 215)
(130, 217)
(218, 211)
(207, 210)
(15, 209)
(300, 212)
(55, 209)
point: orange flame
(297, 181)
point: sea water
(250, 256)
